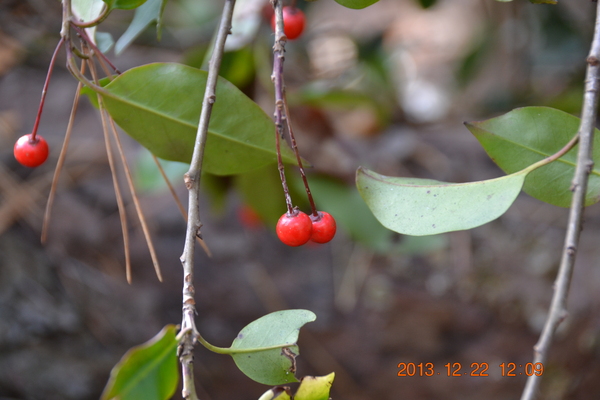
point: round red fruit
(294, 229)
(293, 22)
(323, 227)
(31, 152)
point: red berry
(31, 152)
(323, 227)
(293, 22)
(294, 229)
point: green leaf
(159, 106)
(526, 135)
(426, 207)
(148, 371)
(151, 11)
(104, 41)
(124, 4)
(87, 10)
(275, 366)
(356, 4)
(315, 387)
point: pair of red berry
(31, 150)
(298, 228)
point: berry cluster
(294, 228)
(298, 228)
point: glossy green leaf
(426, 207)
(151, 11)
(275, 366)
(159, 106)
(356, 4)
(315, 387)
(124, 4)
(148, 371)
(526, 135)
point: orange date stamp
(475, 369)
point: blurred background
(388, 88)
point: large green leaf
(526, 135)
(159, 106)
(147, 372)
(356, 4)
(426, 207)
(279, 329)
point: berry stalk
(277, 78)
(45, 89)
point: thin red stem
(86, 38)
(44, 90)
(313, 208)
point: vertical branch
(192, 182)
(558, 310)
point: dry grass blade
(119, 196)
(113, 171)
(61, 161)
(179, 205)
(136, 201)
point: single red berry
(31, 152)
(323, 227)
(294, 229)
(293, 22)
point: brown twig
(558, 310)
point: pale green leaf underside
(281, 328)
(426, 207)
(159, 106)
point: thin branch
(178, 202)
(192, 182)
(558, 310)
(277, 78)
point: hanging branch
(558, 310)
(189, 332)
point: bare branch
(558, 310)
(192, 182)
